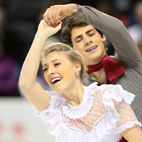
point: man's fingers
(52, 16)
(45, 17)
(48, 17)
(57, 18)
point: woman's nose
(51, 70)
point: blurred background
(18, 24)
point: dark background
(18, 23)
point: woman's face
(59, 72)
(89, 43)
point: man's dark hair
(70, 24)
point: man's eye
(56, 64)
(78, 40)
(91, 34)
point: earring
(77, 73)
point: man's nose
(88, 40)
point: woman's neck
(74, 96)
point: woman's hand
(56, 13)
(47, 30)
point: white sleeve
(117, 102)
(52, 114)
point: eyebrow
(51, 61)
(79, 36)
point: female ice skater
(84, 114)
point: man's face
(89, 43)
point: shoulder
(54, 96)
(106, 87)
(95, 87)
(92, 85)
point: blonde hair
(72, 55)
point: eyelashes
(56, 64)
(92, 34)
(81, 38)
(45, 69)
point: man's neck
(98, 76)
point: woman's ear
(77, 66)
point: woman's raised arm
(27, 81)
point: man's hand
(56, 13)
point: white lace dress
(102, 116)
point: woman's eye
(56, 64)
(45, 69)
